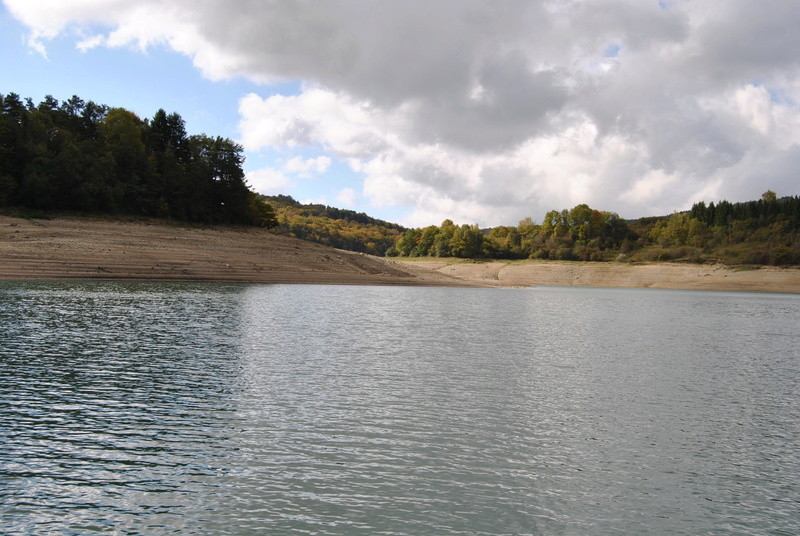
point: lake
(149, 408)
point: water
(132, 408)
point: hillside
(106, 249)
(335, 227)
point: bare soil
(602, 274)
(89, 248)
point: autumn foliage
(339, 228)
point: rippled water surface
(132, 408)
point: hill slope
(335, 227)
(92, 248)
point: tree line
(581, 233)
(766, 231)
(82, 156)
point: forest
(86, 157)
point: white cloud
(91, 42)
(316, 117)
(347, 198)
(267, 181)
(315, 201)
(307, 167)
(491, 111)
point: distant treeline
(578, 234)
(766, 231)
(335, 227)
(87, 157)
(759, 213)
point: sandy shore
(77, 248)
(659, 275)
(88, 248)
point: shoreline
(666, 275)
(73, 248)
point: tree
(168, 133)
(408, 242)
(615, 228)
(12, 151)
(427, 240)
(261, 212)
(723, 214)
(579, 222)
(225, 158)
(122, 133)
(553, 224)
(677, 229)
(699, 211)
(441, 243)
(466, 242)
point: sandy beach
(107, 249)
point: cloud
(347, 198)
(267, 181)
(316, 117)
(271, 181)
(492, 111)
(314, 201)
(307, 167)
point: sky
(480, 111)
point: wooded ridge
(83, 156)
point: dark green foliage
(81, 156)
(767, 209)
(766, 231)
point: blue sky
(465, 109)
(159, 77)
(124, 77)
